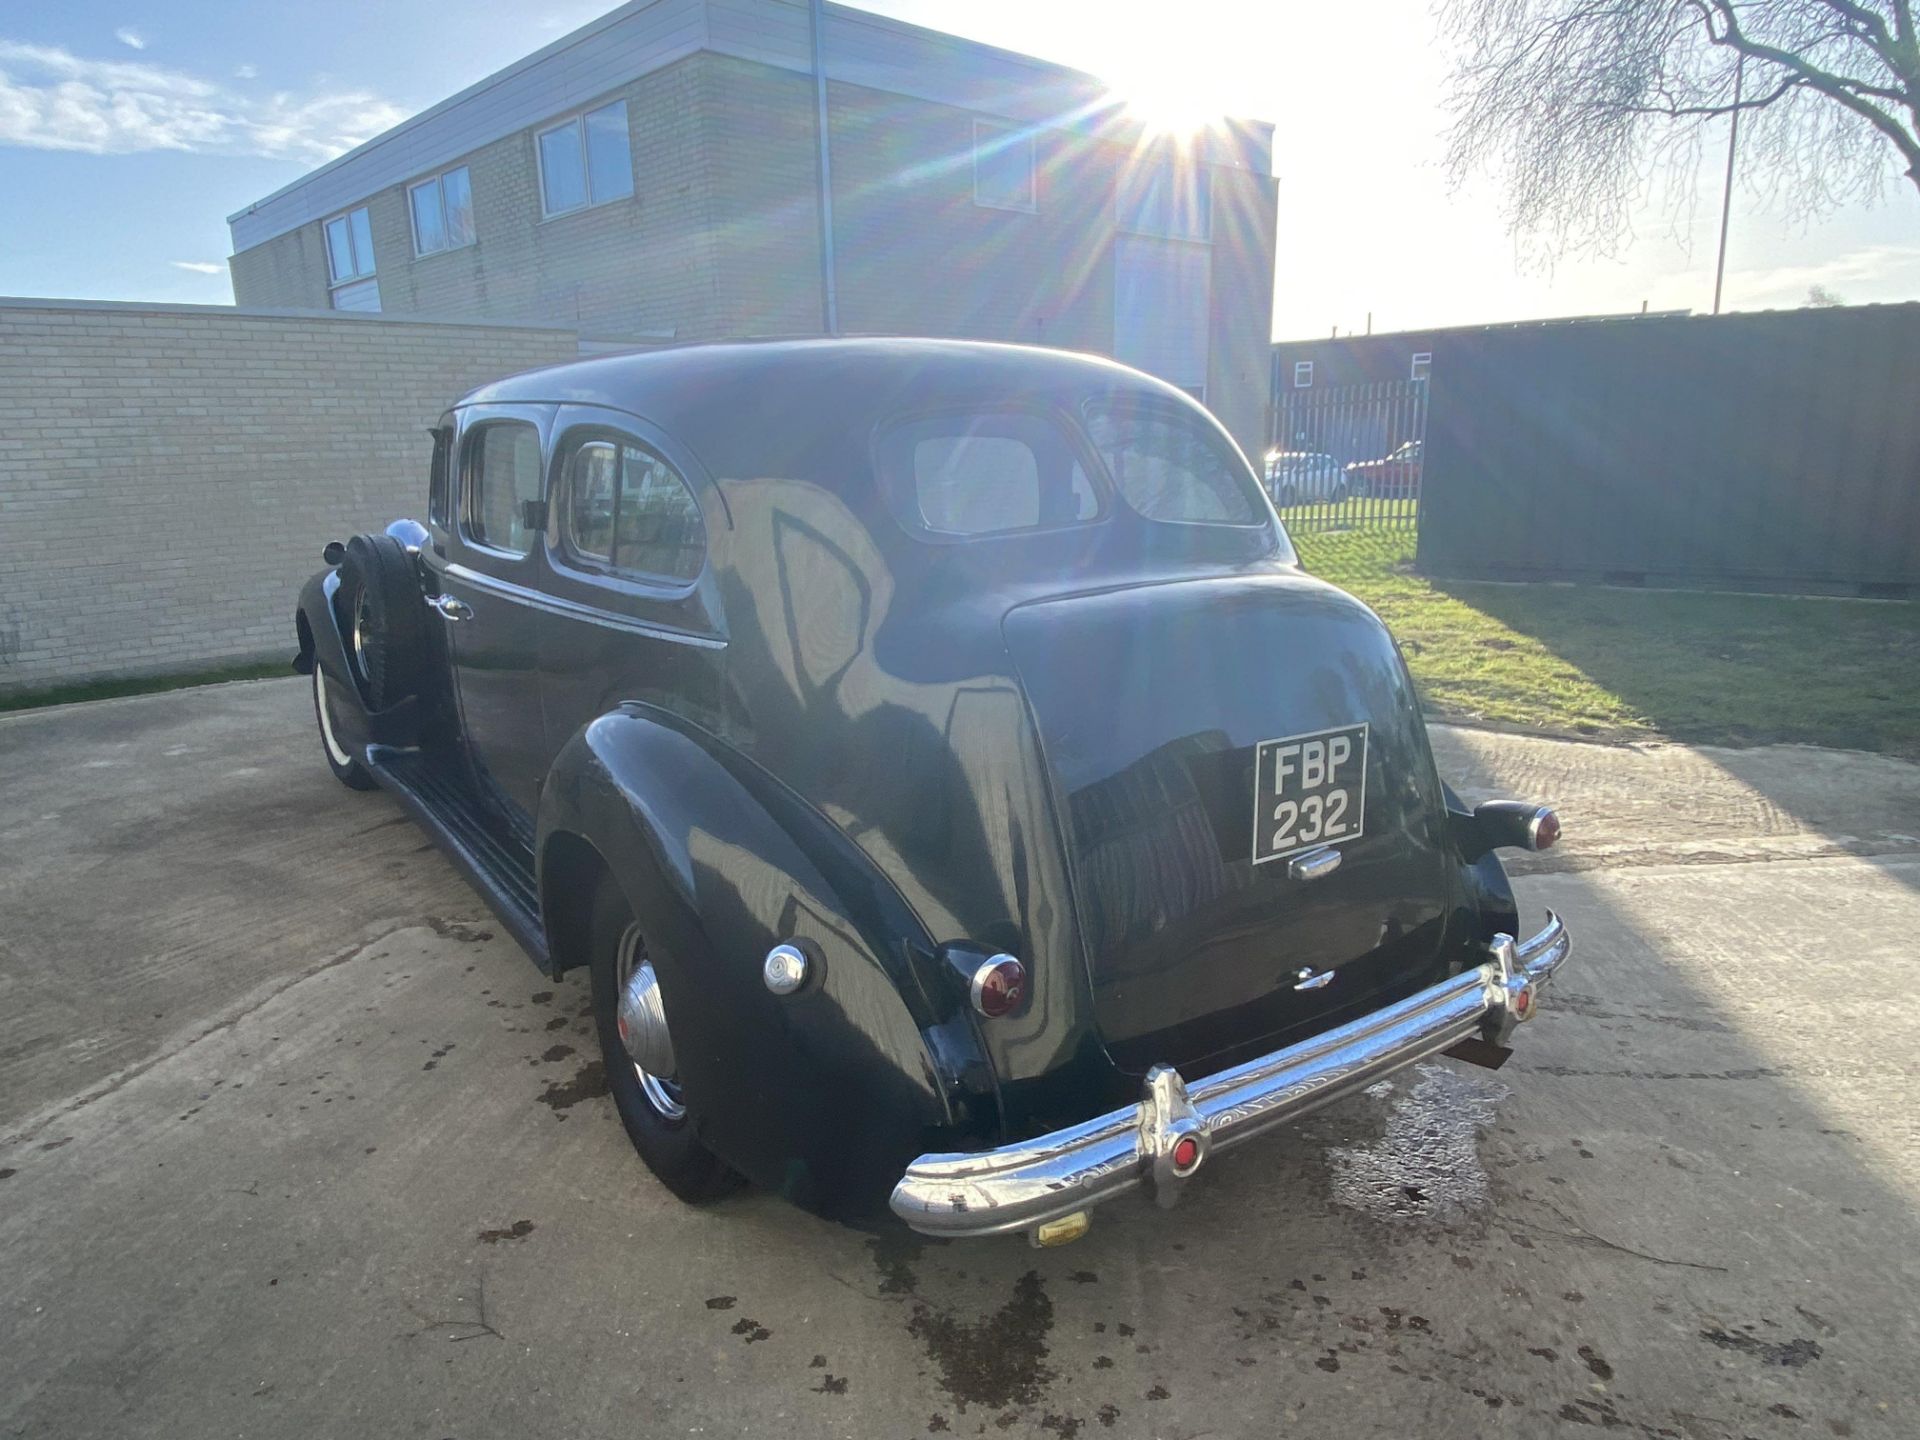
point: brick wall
(170, 472)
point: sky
(130, 129)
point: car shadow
(1656, 1218)
(1831, 759)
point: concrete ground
(293, 1142)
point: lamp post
(1726, 199)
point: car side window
(502, 474)
(1168, 466)
(438, 506)
(629, 512)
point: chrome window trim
(574, 610)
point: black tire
(384, 618)
(666, 1142)
(347, 770)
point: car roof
(619, 380)
(712, 395)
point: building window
(1160, 195)
(1422, 363)
(1303, 374)
(350, 279)
(442, 212)
(586, 160)
(630, 512)
(1002, 167)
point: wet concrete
(1686, 1208)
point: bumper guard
(1163, 1140)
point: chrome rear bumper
(1024, 1185)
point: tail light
(998, 986)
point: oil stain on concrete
(1426, 1165)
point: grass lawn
(1625, 664)
(140, 685)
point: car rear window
(984, 472)
(1169, 465)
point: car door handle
(450, 608)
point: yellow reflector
(1064, 1231)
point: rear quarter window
(629, 512)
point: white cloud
(51, 99)
(200, 267)
(1859, 276)
(247, 72)
(132, 39)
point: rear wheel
(347, 770)
(636, 1045)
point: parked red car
(1395, 476)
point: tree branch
(1834, 87)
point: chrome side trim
(573, 610)
(1025, 1184)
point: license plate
(1308, 790)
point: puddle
(1426, 1163)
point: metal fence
(1775, 449)
(1345, 456)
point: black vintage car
(937, 759)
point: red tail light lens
(1544, 830)
(999, 986)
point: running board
(496, 858)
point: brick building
(658, 174)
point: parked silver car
(1298, 476)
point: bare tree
(1583, 104)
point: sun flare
(1169, 99)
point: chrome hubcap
(641, 1018)
(362, 627)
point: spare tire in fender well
(383, 619)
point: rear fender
(824, 1095)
